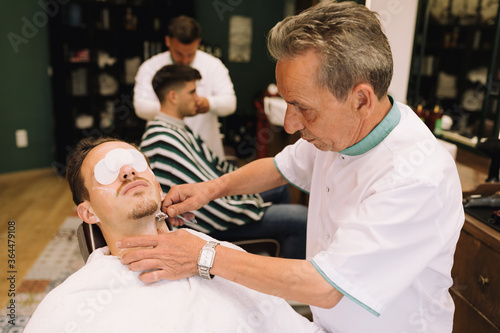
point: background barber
(217, 97)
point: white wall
(398, 18)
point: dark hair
(185, 29)
(173, 77)
(73, 168)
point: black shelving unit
(96, 47)
(455, 66)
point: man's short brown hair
(74, 166)
(185, 29)
(173, 77)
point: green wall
(25, 98)
(248, 78)
(25, 101)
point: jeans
(278, 195)
(284, 222)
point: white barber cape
(105, 296)
(383, 222)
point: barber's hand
(185, 198)
(178, 220)
(173, 255)
(202, 105)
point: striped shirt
(177, 157)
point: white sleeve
(146, 103)
(222, 98)
(391, 239)
(223, 105)
(295, 163)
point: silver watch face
(206, 258)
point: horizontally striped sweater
(177, 156)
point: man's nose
(292, 122)
(127, 172)
(184, 60)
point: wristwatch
(206, 260)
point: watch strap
(204, 271)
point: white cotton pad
(107, 170)
(139, 163)
(103, 175)
(117, 158)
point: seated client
(114, 187)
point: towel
(105, 296)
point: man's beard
(144, 209)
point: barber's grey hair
(349, 39)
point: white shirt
(383, 221)
(105, 296)
(215, 85)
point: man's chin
(322, 146)
(146, 208)
(141, 214)
(319, 144)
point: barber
(215, 89)
(385, 208)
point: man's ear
(85, 212)
(173, 97)
(363, 101)
(167, 41)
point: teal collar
(378, 134)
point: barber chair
(90, 238)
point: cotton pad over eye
(117, 158)
(107, 170)
(139, 164)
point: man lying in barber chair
(114, 187)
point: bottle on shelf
(438, 128)
(130, 20)
(434, 121)
(421, 112)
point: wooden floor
(39, 201)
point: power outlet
(21, 138)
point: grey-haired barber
(385, 208)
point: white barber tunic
(215, 85)
(384, 219)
